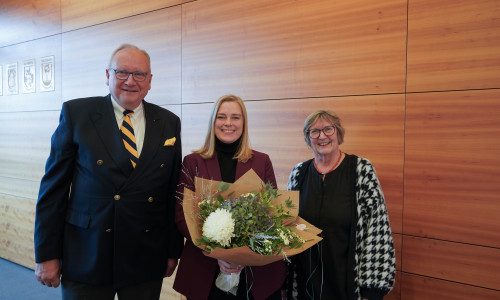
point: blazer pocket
(78, 219)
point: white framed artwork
(29, 76)
(12, 79)
(47, 74)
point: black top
(227, 164)
(327, 205)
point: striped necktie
(129, 137)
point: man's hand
(171, 265)
(49, 273)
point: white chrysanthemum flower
(219, 227)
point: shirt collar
(119, 110)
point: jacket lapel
(213, 168)
(105, 125)
(242, 168)
(152, 137)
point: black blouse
(322, 269)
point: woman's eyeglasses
(315, 133)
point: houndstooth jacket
(373, 261)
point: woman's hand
(228, 268)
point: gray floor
(19, 283)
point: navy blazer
(196, 271)
(107, 222)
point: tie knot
(127, 112)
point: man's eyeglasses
(315, 133)
(123, 75)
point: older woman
(340, 193)
(226, 155)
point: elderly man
(105, 212)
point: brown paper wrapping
(250, 181)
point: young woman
(225, 156)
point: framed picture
(29, 76)
(47, 74)
(12, 79)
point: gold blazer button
(100, 162)
(117, 197)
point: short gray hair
(129, 46)
(328, 116)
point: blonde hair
(328, 116)
(244, 152)
(129, 46)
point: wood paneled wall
(261, 49)
(416, 83)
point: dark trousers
(243, 291)
(80, 291)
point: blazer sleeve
(376, 275)
(54, 191)
(176, 241)
(186, 180)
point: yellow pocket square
(170, 142)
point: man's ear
(107, 77)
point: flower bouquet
(246, 223)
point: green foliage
(258, 222)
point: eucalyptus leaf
(223, 186)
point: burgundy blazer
(196, 272)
